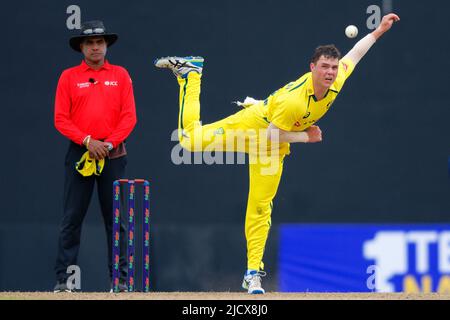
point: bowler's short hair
(328, 51)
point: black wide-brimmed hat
(92, 29)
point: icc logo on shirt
(111, 83)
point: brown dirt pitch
(218, 296)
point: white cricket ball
(351, 31)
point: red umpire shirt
(92, 102)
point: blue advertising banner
(364, 258)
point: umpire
(95, 110)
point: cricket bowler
(287, 116)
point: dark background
(383, 158)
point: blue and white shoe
(181, 66)
(252, 282)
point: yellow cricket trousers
(240, 132)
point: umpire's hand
(97, 149)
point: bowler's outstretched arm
(313, 133)
(363, 45)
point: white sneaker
(181, 66)
(252, 282)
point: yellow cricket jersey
(295, 107)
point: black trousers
(78, 192)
